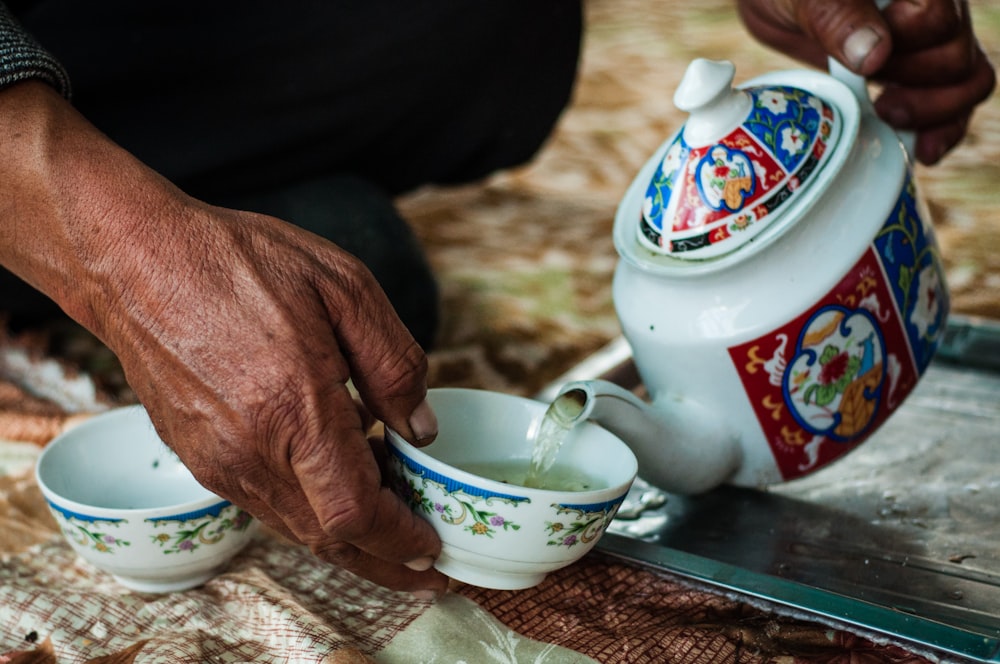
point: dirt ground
(526, 259)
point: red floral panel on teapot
(823, 382)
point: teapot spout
(681, 446)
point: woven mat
(525, 260)
(277, 602)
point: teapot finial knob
(707, 93)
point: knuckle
(987, 75)
(350, 520)
(934, 20)
(216, 467)
(356, 281)
(282, 418)
(339, 553)
(966, 60)
(826, 20)
(401, 368)
(285, 428)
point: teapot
(778, 282)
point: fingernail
(420, 564)
(425, 595)
(423, 422)
(859, 45)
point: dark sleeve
(21, 57)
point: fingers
(376, 550)
(934, 44)
(908, 41)
(939, 114)
(388, 367)
(356, 520)
(913, 107)
(852, 31)
(924, 52)
(374, 535)
(937, 75)
(933, 144)
(415, 575)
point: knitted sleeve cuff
(21, 57)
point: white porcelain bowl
(501, 535)
(128, 506)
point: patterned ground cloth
(277, 602)
(525, 260)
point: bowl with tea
(512, 489)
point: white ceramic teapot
(779, 283)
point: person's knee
(377, 234)
(505, 73)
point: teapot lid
(734, 167)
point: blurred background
(526, 258)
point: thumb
(852, 31)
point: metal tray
(899, 539)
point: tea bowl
(496, 533)
(128, 506)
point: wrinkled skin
(239, 332)
(924, 52)
(272, 425)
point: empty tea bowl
(495, 532)
(128, 506)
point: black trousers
(239, 103)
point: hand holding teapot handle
(859, 86)
(766, 354)
(925, 54)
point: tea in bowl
(469, 485)
(128, 506)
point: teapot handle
(859, 87)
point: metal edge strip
(807, 600)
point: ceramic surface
(781, 355)
(500, 535)
(127, 505)
(741, 157)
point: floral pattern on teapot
(822, 383)
(707, 200)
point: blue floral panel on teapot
(708, 200)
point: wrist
(74, 204)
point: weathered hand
(924, 53)
(238, 332)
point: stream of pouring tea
(552, 431)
